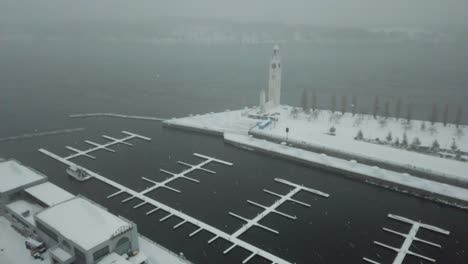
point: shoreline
(424, 183)
(461, 201)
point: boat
(78, 174)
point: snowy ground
(312, 130)
(157, 254)
(307, 129)
(12, 250)
(228, 121)
(373, 173)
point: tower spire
(274, 83)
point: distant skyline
(313, 12)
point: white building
(14, 178)
(271, 97)
(81, 232)
(74, 229)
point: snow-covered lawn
(228, 121)
(12, 249)
(313, 130)
(374, 174)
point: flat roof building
(48, 194)
(14, 178)
(86, 231)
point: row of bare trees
(434, 117)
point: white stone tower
(274, 82)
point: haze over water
(43, 80)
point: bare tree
(344, 102)
(359, 135)
(434, 113)
(454, 146)
(404, 141)
(314, 100)
(333, 103)
(459, 116)
(354, 104)
(305, 101)
(409, 112)
(389, 137)
(416, 143)
(387, 109)
(446, 110)
(376, 107)
(398, 108)
(435, 145)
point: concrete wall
(390, 185)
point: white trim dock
(172, 212)
(113, 141)
(273, 208)
(150, 118)
(183, 174)
(404, 250)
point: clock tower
(274, 82)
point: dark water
(41, 83)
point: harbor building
(82, 232)
(14, 178)
(72, 228)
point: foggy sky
(315, 12)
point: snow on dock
(410, 237)
(273, 208)
(183, 174)
(201, 226)
(448, 193)
(117, 116)
(41, 134)
(113, 141)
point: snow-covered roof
(114, 258)
(60, 254)
(22, 206)
(13, 175)
(49, 193)
(82, 222)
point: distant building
(271, 97)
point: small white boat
(78, 174)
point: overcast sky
(318, 12)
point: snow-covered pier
(175, 176)
(150, 118)
(404, 250)
(273, 208)
(41, 134)
(201, 226)
(113, 141)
